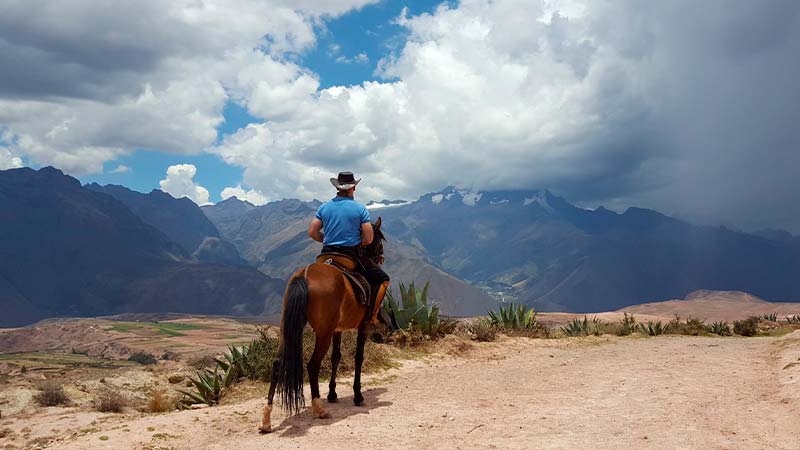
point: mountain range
(72, 250)
(67, 250)
(537, 248)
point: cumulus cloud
(82, 84)
(180, 183)
(251, 195)
(122, 168)
(666, 104)
(687, 107)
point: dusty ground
(668, 392)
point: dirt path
(599, 393)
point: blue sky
(370, 31)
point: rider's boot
(378, 301)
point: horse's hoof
(264, 430)
(333, 398)
(358, 400)
(317, 410)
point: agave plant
(720, 328)
(771, 317)
(583, 327)
(627, 325)
(654, 328)
(234, 364)
(513, 317)
(413, 311)
(209, 384)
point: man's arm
(366, 234)
(315, 230)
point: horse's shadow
(299, 424)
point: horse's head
(374, 250)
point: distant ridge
(715, 305)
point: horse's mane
(375, 249)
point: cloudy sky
(688, 107)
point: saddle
(348, 266)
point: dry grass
(160, 402)
(110, 401)
(202, 361)
(51, 393)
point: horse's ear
(378, 222)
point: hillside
(70, 251)
(179, 218)
(715, 305)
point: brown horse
(320, 295)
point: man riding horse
(331, 298)
(343, 226)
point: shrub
(414, 312)
(793, 319)
(260, 354)
(160, 402)
(539, 330)
(690, 326)
(583, 327)
(482, 330)
(143, 358)
(654, 329)
(410, 337)
(51, 393)
(747, 327)
(513, 317)
(720, 328)
(627, 325)
(110, 401)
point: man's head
(345, 183)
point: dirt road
(669, 392)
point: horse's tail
(290, 372)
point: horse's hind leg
(361, 341)
(320, 349)
(266, 423)
(336, 356)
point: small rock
(176, 378)
(199, 406)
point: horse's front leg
(361, 341)
(336, 356)
(320, 349)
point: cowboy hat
(344, 181)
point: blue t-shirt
(341, 221)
